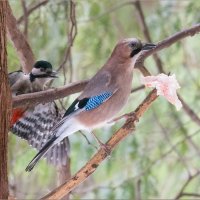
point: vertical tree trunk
(5, 103)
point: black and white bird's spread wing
(35, 127)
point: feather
(35, 126)
(62, 132)
(41, 153)
(96, 101)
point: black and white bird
(35, 81)
(34, 123)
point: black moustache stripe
(33, 77)
(134, 52)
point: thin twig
(33, 8)
(23, 2)
(190, 178)
(71, 35)
(190, 194)
(189, 111)
(137, 88)
(109, 11)
(88, 141)
(146, 32)
(174, 148)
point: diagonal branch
(189, 111)
(48, 95)
(168, 42)
(100, 156)
(24, 50)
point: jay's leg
(125, 116)
(101, 144)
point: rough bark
(5, 104)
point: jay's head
(130, 48)
(43, 69)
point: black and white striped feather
(35, 127)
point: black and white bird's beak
(53, 74)
(148, 46)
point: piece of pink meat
(166, 86)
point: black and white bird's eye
(42, 69)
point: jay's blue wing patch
(88, 103)
(85, 104)
(96, 101)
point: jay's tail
(63, 129)
(41, 153)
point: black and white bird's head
(130, 49)
(42, 70)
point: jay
(103, 97)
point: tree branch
(30, 10)
(191, 194)
(23, 2)
(72, 33)
(48, 95)
(168, 42)
(190, 178)
(147, 36)
(189, 111)
(24, 50)
(98, 158)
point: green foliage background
(158, 158)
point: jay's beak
(148, 46)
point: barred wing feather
(35, 127)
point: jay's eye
(42, 69)
(133, 45)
